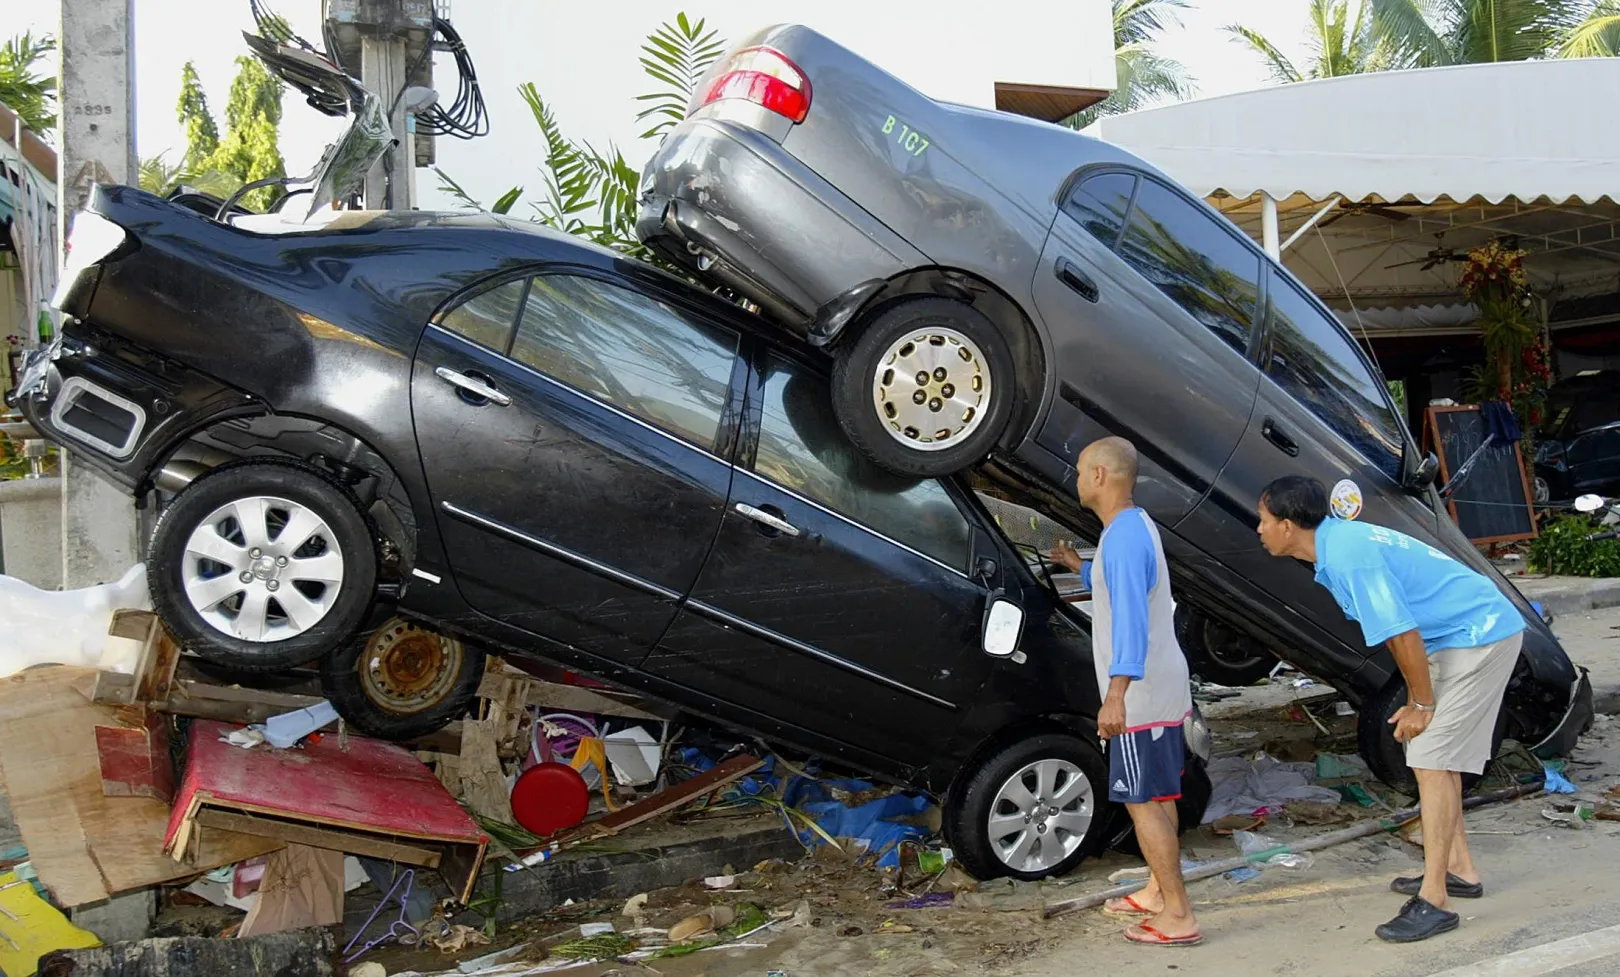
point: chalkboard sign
(1492, 502)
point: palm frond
(1414, 29)
(675, 56)
(450, 186)
(1598, 36)
(1276, 62)
(1506, 30)
(1139, 21)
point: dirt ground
(1545, 882)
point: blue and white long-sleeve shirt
(1133, 623)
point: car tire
(1375, 739)
(250, 628)
(403, 680)
(985, 791)
(1196, 790)
(898, 337)
(1216, 653)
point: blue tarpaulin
(874, 823)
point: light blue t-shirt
(1390, 583)
(1131, 567)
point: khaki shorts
(1468, 687)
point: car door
(1150, 300)
(1323, 411)
(575, 433)
(837, 599)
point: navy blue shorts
(1146, 765)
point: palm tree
(1444, 32)
(1341, 43)
(1598, 36)
(30, 95)
(1144, 77)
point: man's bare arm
(1413, 661)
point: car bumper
(734, 206)
(1576, 721)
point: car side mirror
(1424, 474)
(1003, 626)
(1589, 503)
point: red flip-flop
(1156, 938)
(1136, 908)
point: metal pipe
(1301, 229)
(1365, 828)
(1268, 225)
(176, 475)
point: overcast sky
(560, 47)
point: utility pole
(100, 538)
(100, 531)
(382, 41)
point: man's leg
(1156, 833)
(1461, 864)
(1152, 897)
(1440, 795)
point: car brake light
(91, 239)
(765, 77)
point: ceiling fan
(1387, 211)
(1434, 257)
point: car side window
(636, 352)
(1317, 363)
(1196, 261)
(802, 448)
(1100, 203)
(487, 317)
(1593, 446)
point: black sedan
(543, 447)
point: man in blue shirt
(1455, 638)
(1142, 681)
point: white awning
(1525, 129)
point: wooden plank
(127, 622)
(154, 672)
(86, 845)
(315, 836)
(666, 800)
(565, 698)
(134, 756)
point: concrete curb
(1570, 595)
(584, 875)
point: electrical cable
(262, 20)
(467, 117)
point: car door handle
(1275, 435)
(473, 386)
(766, 519)
(1070, 274)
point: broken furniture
(368, 797)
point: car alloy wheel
(1041, 816)
(931, 388)
(263, 564)
(1542, 492)
(407, 668)
(262, 568)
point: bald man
(1142, 679)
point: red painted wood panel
(375, 786)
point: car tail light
(91, 239)
(765, 77)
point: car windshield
(1033, 535)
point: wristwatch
(1420, 707)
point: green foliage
(30, 94)
(677, 55)
(1562, 548)
(1144, 76)
(592, 194)
(1597, 36)
(1442, 32)
(250, 150)
(1343, 40)
(202, 135)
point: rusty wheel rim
(407, 668)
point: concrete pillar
(391, 184)
(97, 84)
